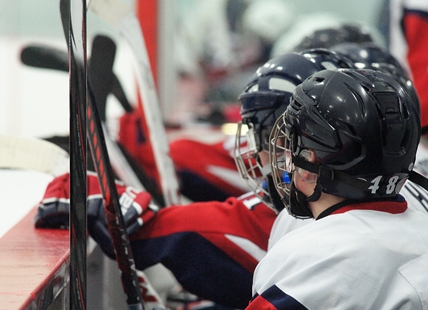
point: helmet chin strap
(275, 198)
(297, 198)
(299, 206)
(316, 194)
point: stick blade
(44, 57)
(29, 153)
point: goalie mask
(263, 100)
(359, 128)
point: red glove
(54, 209)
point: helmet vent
(295, 105)
(281, 85)
(319, 79)
(253, 88)
(393, 128)
(329, 65)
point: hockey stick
(125, 166)
(78, 218)
(18, 152)
(99, 76)
(40, 56)
(114, 216)
(117, 14)
(77, 15)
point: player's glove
(53, 210)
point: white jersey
(416, 196)
(342, 275)
(284, 223)
(360, 257)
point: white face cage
(281, 159)
(248, 162)
(281, 165)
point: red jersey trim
(393, 207)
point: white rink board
(21, 191)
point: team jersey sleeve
(212, 177)
(415, 24)
(212, 248)
(272, 299)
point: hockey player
(212, 177)
(341, 154)
(323, 30)
(215, 177)
(234, 255)
(408, 28)
(197, 240)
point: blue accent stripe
(422, 14)
(281, 300)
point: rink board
(33, 265)
(33, 262)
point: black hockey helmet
(330, 36)
(372, 56)
(265, 98)
(266, 95)
(363, 129)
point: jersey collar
(393, 206)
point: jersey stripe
(392, 207)
(274, 298)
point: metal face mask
(284, 150)
(281, 160)
(248, 161)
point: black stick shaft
(78, 221)
(114, 216)
(99, 78)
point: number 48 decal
(390, 187)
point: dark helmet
(265, 98)
(372, 56)
(363, 129)
(330, 36)
(266, 95)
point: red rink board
(33, 265)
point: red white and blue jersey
(212, 248)
(198, 240)
(210, 172)
(408, 43)
(206, 170)
(361, 256)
